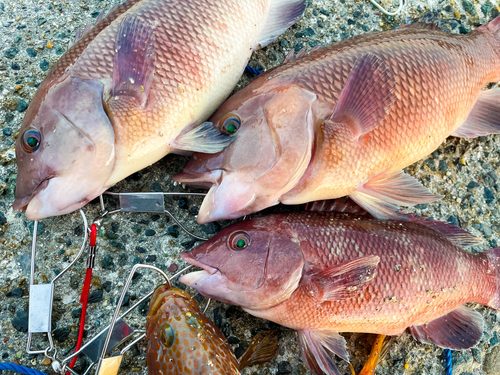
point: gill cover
(271, 152)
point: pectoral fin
(340, 281)
(366, 98)
(460, 329)
(484, 118)
(314, 346)
(382, 195)
(133, 67)
(206, 138)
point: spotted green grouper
(183, 341)
(111, 105)
(321, 273)
(346, 119)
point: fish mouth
(21, 204)
(192, 278)
(204, 180)
(188, 258)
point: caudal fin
(493, 256)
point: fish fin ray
(429, 21)
(383, 194)
(282, 14)
(484, 117)
(460, 329)
(291, 57)
(340, 205)
(205, 138)
(367, 96)
(314, 346)
(457, 235)
(262, 349)
(133, 67)
(340, 281)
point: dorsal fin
(429, 21)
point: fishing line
(449, 367)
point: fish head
(271, 152)
(249, 264)
(65, 149)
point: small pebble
(284, 368)
(20, 321)
(10, 53)
(22, 106)
(18, 292)
(141, 249)
(172, 268)
(96, 296)
(183, 203)
(173, 231)
(151, 258)
(76, 313)
(31, 52)
(107, 286)
(3, 219)
(44, 65)
(149, 232)
(61, 334)
(488, 195)
(107, 262)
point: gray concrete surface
(34, 34)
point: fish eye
(31, 140)
(239, 241)
(167, 335)
(230, 123)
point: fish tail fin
(491, 31)
(493, 258)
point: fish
(182, 340)
(346, 119)
(116, 100)
(321, 273)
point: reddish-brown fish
(347, 118)
(183, 341)
(324, 273)
(114, 102)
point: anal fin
(460, 329)
(314, 346)
(133, 67)
(383, 194)
(484, 117)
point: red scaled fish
(182, 340)
(324, 273)
(114, 101)
(344, 120)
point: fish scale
(358, 112)
(321, 273)
(114, 103)
(415, 294)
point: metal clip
(41, 296)
(108, 366)
(148, 202)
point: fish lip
(203, 180)
(21, 204)
(188, 258)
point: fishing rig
(118, 332)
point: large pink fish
(324, 273)
(114, 101)
(344, 120)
